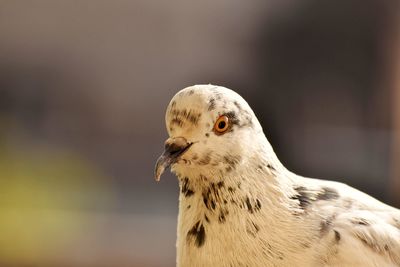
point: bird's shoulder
(370, 231)
(364, 224)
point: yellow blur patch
(44, 199)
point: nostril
(173, 148)
(176, 145)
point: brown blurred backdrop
(84, 86)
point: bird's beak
(174, 147)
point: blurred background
(84, 86)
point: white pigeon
(239, 206)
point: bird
(239, 206)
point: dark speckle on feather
(211, 104)
(186, 191)
(252, 228)
(256, 227)
(360, 221)
(272, 168)
(305, 244)
(208, 199)
(177, 121)
(221, 217)
(258, 205)
(233, 119)
(248, 204)
(231, 161)
(246, 119)
(180, 116)
(197, 232)
(307, 196)
(327, 194)
(237, 106)
(303, 196)
(212, 202)
(337, 236)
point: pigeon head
(211, 129)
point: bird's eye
(221, 125)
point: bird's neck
(258, 182)
(248, 202)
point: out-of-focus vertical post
(395, 89)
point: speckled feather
(239, 206)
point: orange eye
(221, 125)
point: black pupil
(221, 125)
